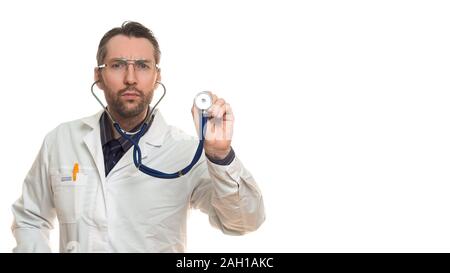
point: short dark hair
(129, 29)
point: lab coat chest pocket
(69, 196)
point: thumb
(196, 116)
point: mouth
(130, 95)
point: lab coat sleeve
(34, 211)
(229, 195)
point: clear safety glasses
(119, 66)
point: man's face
(128, 88)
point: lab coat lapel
(93, 142)
(94, 145)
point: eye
(118, 65)
(142, 66)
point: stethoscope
(202, 102)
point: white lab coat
(128, 211)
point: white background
(342, 109)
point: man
(84, 173)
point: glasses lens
(121, 66)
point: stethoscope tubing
(137, 154)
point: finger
(225, 113)
(229, 116)
(196, 118)
(228, 122)
(228, 129)
(213, 96)
(215, 108)
(210, 129)
(221, 111)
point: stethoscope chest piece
(203, 100)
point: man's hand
(219, 128)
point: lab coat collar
(157, 132)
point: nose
(130, 77)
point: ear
(158, 75)
(158, 78)
(98, 77)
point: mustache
(130, 89)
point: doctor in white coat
(84, 173)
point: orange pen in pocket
(75, 172)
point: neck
(128, 124)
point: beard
(129, 108)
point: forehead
(121, 46)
